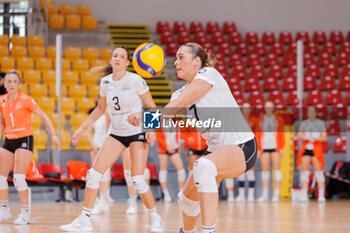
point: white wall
(257, 15)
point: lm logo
(151, 120)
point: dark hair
(198, 51)
(15, 73)
(105, 70)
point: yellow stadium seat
(18, 51)
(36, 51)
(35, 40)
(70, 77)
(77, 91)
(94, 91)
(25, 63)
(66, 139)
(51, 52)
(40, 139)
(45, 3)
(4, 40)
(49, 77)
(66, 64)
(72, 52)
(52, 9)
(31, 76)
(91, 53)
(24, 88)
(19, 40)
(68, 106)
(4, 50)
(56, 21)
(54, 118)
(84, 143)
(81, 65)
(106, 53)
(83, 10)
(7, 64)
(73, 22)
(89, 22)
(38, 90)
(97, 63)
(67, 9)
(88, 78)
(52, 91)
(36, 122)
(47, 104)
(77, 119)
(85, 104)
(43, 64)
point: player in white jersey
(232, 148)
(313, 132)
(122, 93)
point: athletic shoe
(275, 198)
(321, 199)
(101, 206)
(263, 198)
(156, 223)
(5, 213)
(80, 224)
(23, 219)
(167, 197)
(303, 199)
(251, 197)
(240, 198)
(109, 199)
(132, 209)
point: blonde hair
(207, 59)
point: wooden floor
(286, 217)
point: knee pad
(278, 175)
(189, 207)
(19, 180)
(127, 177)
(241, 177)
(229, 183)
(163, 174)
(304, 177)
(265, 175)
(181, 175)
(320, 177)
(147, 174)
(250, 175)
(204, 174)
(3, 183)
(93, 179)
(140, 184)
(106, 176)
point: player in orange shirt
(17, 151)
(195, 146)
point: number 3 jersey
(123, 99)
(17, 115)
(219, 104)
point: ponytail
(207, 59)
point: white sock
(4, 204)
(24, 209)
(241, 192)
(153, 211)
(304, 192)
(321, 192)
(230, 193)
(86, 212)
(276, 192)
(250, 192)
(188, 231)
(265, 192)
(206, 229)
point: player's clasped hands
(135, 118)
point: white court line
(32, 221)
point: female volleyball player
(231, 149)
(270, 137)
(313, 132)
(122, 92)
(17, 151)
(169, 147)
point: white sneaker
(167, 197)
(132, 209)
(321, 199)
(240, 198)
(275, 197)
(109, 199)
(251, 197)
(23, 219)
(230, 198)
(303, 199)
(5, 213)
(101, 206)
(80, 224)
(263, 198)
(156, 223)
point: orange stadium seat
(72, 52)
(77, 119)
(43, 64)
(52, 91)
(4, 51)
(19, 40)
(52, 10)
(49, 77)
(38, 90)
(319, 37)
(66, 139)
(183, 37)
(56, 21)
(88, 78)
(196, 26)
(25, 63)
(285, 37)
(18, 51)
(70, 77)
(268, 38)
(4, 40)
(336, 37)
(35, 40)
(94, 91)
(68, 106)
(84, 143)
(83, 10)
(73, 22)
(99, 62)
(36, 122)
(234, 38)
(85, 104)
(162, 26)
(212, 26)
(229, 27)
(90, 22)
(51, 52)
(81, 65)
(7, 63)
(106, 53)
(251, 38)
(77, 91)
(36, 51)
(77, 170)
(24, 88)
(66, 64)
(302, 35)
(67, 9)
(91, 53)
(40, 139)
(31, 76)
(179, 26)
(47, 104)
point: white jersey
(312, 130)
(100, 133)
(219, 103)
(123, 98)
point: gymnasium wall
(256, 15)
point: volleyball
(149, 60)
